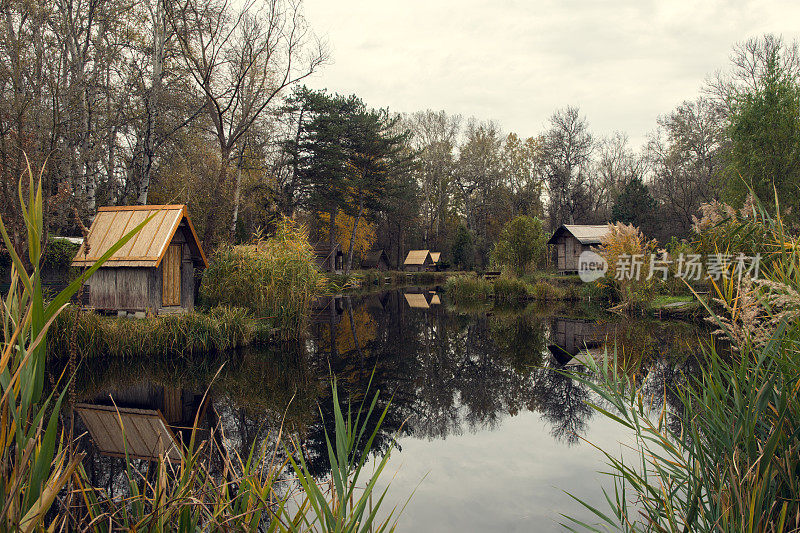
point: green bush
(521, 245)
(58, 254)
(468, 287)
(276, 278)
(510, 289)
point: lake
(489, 433)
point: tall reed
(275, 278)
(36, 464)
(468, 288)
(733, 462)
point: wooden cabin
(576, 341)
(418, 261)
(571, 240)
(376, 259)
(145, 420)
(417, 300)
(435, 256)
(153, 272)
(329, 259)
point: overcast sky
(623, 63)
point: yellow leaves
(365, 234)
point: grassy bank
(543, 287)
(465, 288)
(222, 328)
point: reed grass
(468, 288)
(732, 463)
(269, 490)
(276, 279)
(222, 328)
(542, 290)
(37, 462)
(510, 289)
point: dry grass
(276, 278)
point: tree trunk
(332, 239)
(237, 194)
(212, 217)
(353, 328)
(154, 102)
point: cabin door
(171, 276)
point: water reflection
(447, 370)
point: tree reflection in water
(446, 370)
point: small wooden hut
(417, 300)
(576, 341)
(376, 259)
(329, 259)
(571, 240)
(154, 271)
(139, 433)
(145, 420)
(435, 256)
(418, 261)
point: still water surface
(487, 433)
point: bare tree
(568, 147)
(687, 156)
(435, 138)
(241, 60)
(615, 166)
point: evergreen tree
(765, 139)
(462, 249)
(635, 205)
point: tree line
(204, 103)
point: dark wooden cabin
(577, 341)
(376, 260)
(155, 271)
(435, 257)
(573, 239)
(146, 420)
(329, 259)
(418, 261)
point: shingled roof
(586, 234)
(373, 257)
(417, 257)
(141, 433)
(146, 248)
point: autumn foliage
(627, 252)
(275, 278)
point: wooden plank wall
(171, 276)
(119, 288)
(141, 289)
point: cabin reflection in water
(577, 341)
(422, 300)
(145, 420)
